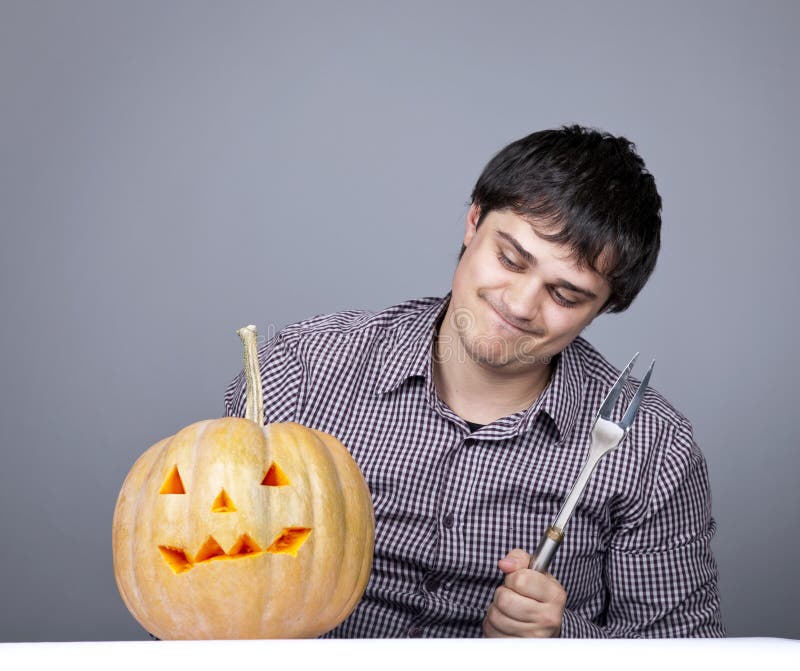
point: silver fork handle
(547, 549)
(605, 437)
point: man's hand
(527, 604)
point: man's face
(517, 299)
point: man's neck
(477, 392)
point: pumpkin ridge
(193, 585)
(143, 526)
(195, 477)
(301, 454)
(344, 465)
(157, 468)
(335, 500)
(124, 505)
(317, 553)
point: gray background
(172, 171)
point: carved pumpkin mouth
(287, 542)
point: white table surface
(759, 654)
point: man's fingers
(489, 630)
(514, 560)
(541, 587)
(528, 603)
(497, 623)
(513, 606)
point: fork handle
(548, 546)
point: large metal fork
(604, 437)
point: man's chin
(497, 358)
(491, 362)
(515, 355)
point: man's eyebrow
(530, 258)
(524, 253)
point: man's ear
(473, 214)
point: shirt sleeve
(282, 379)
(660, 574)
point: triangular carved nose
(275, 477)
(223, 503)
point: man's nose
(523, 301)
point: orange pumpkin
(231, 529)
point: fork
(604, 437)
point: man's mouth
(509, 324)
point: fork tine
(633, 408)
(611, 397)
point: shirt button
(433, 583)
(448, 521)
(415, 632)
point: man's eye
(557, 296)
(508, 263)
(565, 302)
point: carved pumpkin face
(180, 558)
(232, 530)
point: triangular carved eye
(275, 477)
(223, 503)
(173, 483)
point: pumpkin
(233, 529)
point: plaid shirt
(449, 503)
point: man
(469, 417)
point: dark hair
(588, 190)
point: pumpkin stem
(255, 402)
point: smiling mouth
(287, 542)
(505, 321)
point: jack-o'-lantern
(232, 529)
